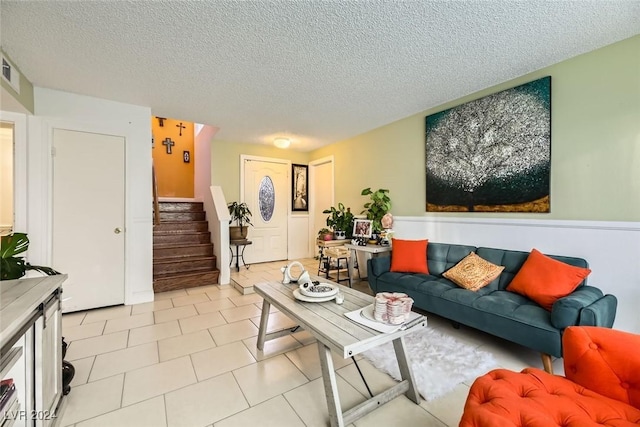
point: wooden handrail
(156, 205)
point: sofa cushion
(443, 256)
(409, 256)
(544, 279)
(473, 272)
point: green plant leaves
(13, 267)
(13, 244)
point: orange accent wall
(175, 177)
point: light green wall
(225, 163)
(25, 97)
(595, 144)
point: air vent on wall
(10, 74)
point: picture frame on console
(362, 228)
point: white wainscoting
(611, 248)
(298, 239)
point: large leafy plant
(12, 266)
(240, 213)
(379, 205)
(340, 218)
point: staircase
(182, 249)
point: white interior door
(88, 217)
(266, 192)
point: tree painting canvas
(492, 154)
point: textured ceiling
(317, 71)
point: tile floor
(189, 359)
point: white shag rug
(439, 362)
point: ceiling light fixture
(281, 142)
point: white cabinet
(31, 349)
(48, 356)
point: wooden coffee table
(327, 323)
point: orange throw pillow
(409, 256)
(544, 279)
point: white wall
(55, 109)
(611, 248)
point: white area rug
(439, 362)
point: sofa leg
(546, 362)
(455, 325)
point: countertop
(20, 298)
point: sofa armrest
(603, 360)
(566, 311)
(601, 313)
(378, 265)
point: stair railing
(156, 205)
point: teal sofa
(493, 309)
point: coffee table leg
(264, 318)
(405, 369)
(330, 386)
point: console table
(372, 250)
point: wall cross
(168, 143)
(181, 127)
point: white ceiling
(316, 71)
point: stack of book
(8, 398)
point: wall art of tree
(493, 153)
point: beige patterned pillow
(473, 272)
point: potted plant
(241, 214)
(325, 234)
(12, 266)
(379, 205)
(340, 220)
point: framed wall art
(492, 154)
(299, 187)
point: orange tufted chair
(601, 387)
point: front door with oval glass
(266, 193)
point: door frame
(243, 158)
(312, 196)
(138, 225)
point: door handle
(118, 230)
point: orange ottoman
(601, 388)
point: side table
(242, 243)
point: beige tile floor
(189, 359)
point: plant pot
(238, 233)
(326, 237)
(339, 234)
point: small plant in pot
(325, 234)
(378, 207)
(340, 219)
(241, 214)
